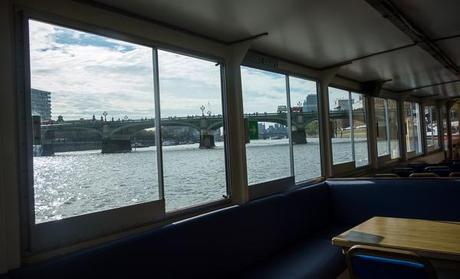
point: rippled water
(75, 183)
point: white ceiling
(323, 33)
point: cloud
(88, 74)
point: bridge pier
(207, 140)
(116, 145)
(299, 136)
(47, 149)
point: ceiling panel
(316, 33)
(436, 18)
(439, 92)
(452, 48)
(408, 68)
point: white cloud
(89, 74)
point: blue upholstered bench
(282, 236)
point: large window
(92, 102)
(192, 130)
(95, 109)
(393, 124)
(279, 146)
(431, 122)
(305, 128)
(386, 117)
(360, 129)
(413, 131)
(444, 128)
(381, 118)
(265, 112)
(349, 127)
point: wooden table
(435, 240)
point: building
(41, 103)
(343, 104)
(311, 103)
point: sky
(88, 74)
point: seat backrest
(403, 171)
(386, 175)
(439, 170)
(454, 174)
(423, 174)
(355, 201)
(365, 262)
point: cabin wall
(9, 205)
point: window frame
(278, 185)
(37, 238)
(436, 143)
(350, 166)
(420, 142)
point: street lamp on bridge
(203, 108)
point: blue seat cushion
(312, 258)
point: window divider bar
(352, 132)
(158, 145)
(387, 124)
(289, 122)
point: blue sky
(89, 74)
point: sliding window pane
(265, 113)
(360, 129)
(429, 126)
(340, 117)
(92, 104)
(413, 134)
(417, 128)
(381, 118)
(393, 124)
(305, 128)
(444, 128)
(434, 126)
(192, 130)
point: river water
(76, 183)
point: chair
(423, 174)
(454, 174)
(386, 175)
(417, 166)
(439, 170)
(455, 165)
(403, 171)
(366, 262)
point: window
(265, 112)
(360, 129)
(382, 127)
(413, 132)
(444, 128)
(393, 124)
(340, 117)
(281, 115)
(192, 130)
(305, 128)
(431, 121)
(99, 162)
(94, 150)
(386, 116)
(349, 129)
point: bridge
(117, 135)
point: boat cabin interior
(230, 139)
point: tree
(312, 128)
